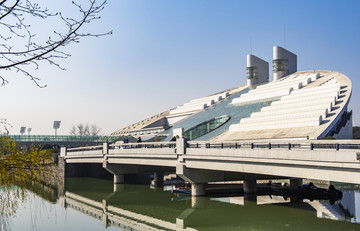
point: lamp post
(22, 130)
(56, 126)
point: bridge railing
(181, 146)
(98, 149)
(125, 148)
(308, 144)
(143, 145)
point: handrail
(291, 144)
(170, 144)
(248, 144)
(88, 148)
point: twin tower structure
(284, 63)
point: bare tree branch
(32, 55)
(85, 130)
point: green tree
(25, 46)
(18, 167)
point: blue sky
(163, 53)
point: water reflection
(139, 207)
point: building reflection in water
(138, 207)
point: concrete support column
(105, 148)
(63, 151)
(198, 202)
(119, 187)
(158, 179)
(180, 146)
(198, 189)
(105, 220)
(249, 186)
(295, 182)
(119, 178)
(250, 199)
(62, 202)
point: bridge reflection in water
(138, 207)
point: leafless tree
(21, 50)
(94, 130)
(85, 130)
(4, 124)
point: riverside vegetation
(18, 168)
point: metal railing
(317, 144)
(84, 149)
(296, 145)
(143, 145)
(62, 139)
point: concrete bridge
(202, 162)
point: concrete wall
(86, 170)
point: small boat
(182, 188)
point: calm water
(93, 204)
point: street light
(29, 130)
(22, 130)
(56, 126)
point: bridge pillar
(119, 179)
(118, 176)
(198, 189)
(249, 186)
(105, 148)
(295, 182)
(181, 146)
(63, 151)
(105, 219)
(197, 178)
(158, 179)
(119, 187)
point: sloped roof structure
(298, 105)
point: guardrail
(318, 144)
(84, 149)
(143, 145)
(119, 148)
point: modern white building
(294, 105)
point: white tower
(284, 62)
(257, 71)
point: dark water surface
(94, 204)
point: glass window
(251, 73)
(205, 127)
(280, 65)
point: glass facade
(224, 107)
(251, 73)
(280, 65)
(205, 127)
